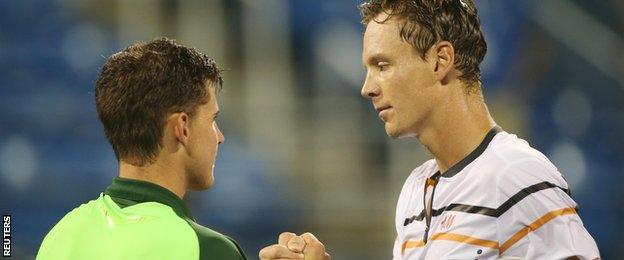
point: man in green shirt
(157, 103)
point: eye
(382, 65)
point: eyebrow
(373, 59)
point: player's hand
(314, 249)
(289, 246)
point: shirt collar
(458, 167)
(143, 191)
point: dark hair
(139, 86)
(426, 22)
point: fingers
(314, 249)
(291, 241)
(284, 238)
(275, 252)
(296, 244)
(312, 243)
(291, 246)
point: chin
(393, 132)
(393, 135)
(202, 186)
(202, 182)
(397, 133)
(208, 184)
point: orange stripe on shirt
(534, 226)
(411, 244)
(451, 237)
(431, 182)
(489, 243)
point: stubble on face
(204, 143)
(404, 83)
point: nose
(220, 137)
(369, 89)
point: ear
(444, 55)
(181, 127)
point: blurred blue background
(303, 151)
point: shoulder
(73, 224)
(525, 171)
(521, 164)
(510, 148)
(214, 245)
(77, 218)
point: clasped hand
(291, 246)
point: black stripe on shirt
(458, 167)
(485, 210)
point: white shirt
(505, 199)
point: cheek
(412, 84)
(208, 135)
(410, 99)
(403, 92)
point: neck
(162, 172)
(456, 128)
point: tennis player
(486, 193)
(158, 106)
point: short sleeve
(538, 218)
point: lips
(382, 110)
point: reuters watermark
(6, 236)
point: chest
(447, 220)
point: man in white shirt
(486, 194)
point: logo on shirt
(447, 221)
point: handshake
(291, 246)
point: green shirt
(135, 220)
